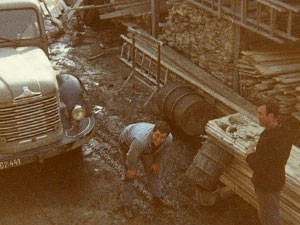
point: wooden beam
(292, 7)
(236, 56)
(155, 12)
(230, 18)
(132, 11)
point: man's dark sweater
(269, 160)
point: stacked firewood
(205, 39)
(271, 74)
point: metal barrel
(208, 165)
(183, 107)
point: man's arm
(133, 155)
(166, 146)
(250, 156)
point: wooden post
(133, 50)
(158, 66)
(236, 53)
(155, 12)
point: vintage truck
(42, 113)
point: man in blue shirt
(145, 142)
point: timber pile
(235, 133)
(205, 39)
(273, 74)
(121, 8)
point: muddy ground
(66, 190)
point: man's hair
(162, 126)
(271, 107)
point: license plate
(10, 163)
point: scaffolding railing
(274, 19)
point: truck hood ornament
(27, 93)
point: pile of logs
(273, 74)
(235, 133)
(205, 39)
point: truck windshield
(18, 24)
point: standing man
(268, 162)
(145, 141)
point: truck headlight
(78, 112)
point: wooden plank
(278, 69)
(68, 15)
(270, 53)
(289, 80)
(292, 7)
(132, 11)
(272, 6)
(275, 58)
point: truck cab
(42, 113)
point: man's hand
(130, 174)
(250, 150)
(154, 169)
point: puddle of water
(59, 55)
(99, 110)
(59, 50)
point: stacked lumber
(205, 39)
(235, 133)
(271, 74)
(121, 8)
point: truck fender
(71, 91)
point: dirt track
(67, 191)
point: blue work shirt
(137, 137)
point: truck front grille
(29, 120)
